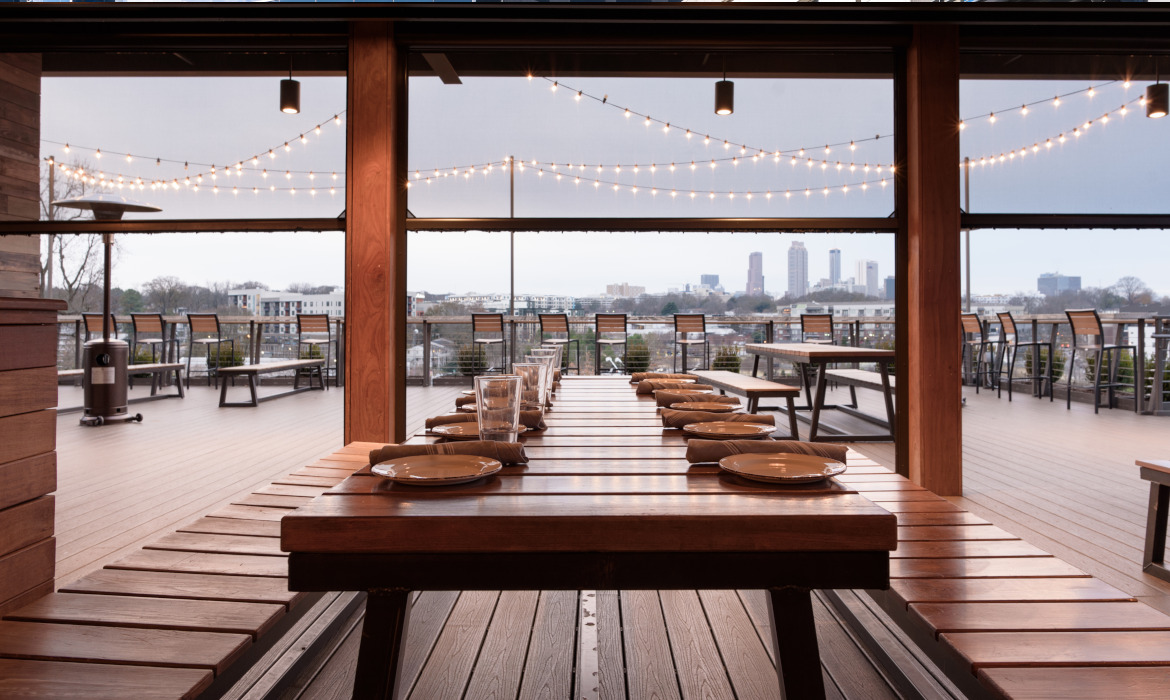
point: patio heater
(105, 361)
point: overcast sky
(1114, 167)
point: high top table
(607, 504)
(818, 357)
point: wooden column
(20, 133)
(927, 261)
(375, 237)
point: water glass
(535, 376)
(497, 406)
(560, 348)
(547, 360)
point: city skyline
(755, 276)
(797, 270)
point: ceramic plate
(709, 406)
(466, 408)
(729, 430)
(782, 468)
(437, 470)
(461, 431)
(684, 391)
(468, 392)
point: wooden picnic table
(601, 505)
(816, 357)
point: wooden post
(928, 262)
(375, 237)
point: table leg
(819, 403)
(798, 658)
(885, 370)
(792, 429)
(755, 365)
(684, 354)
(382, 648)
(1154, 557)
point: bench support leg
(798, 658)
(887, 395)
(381, 652)
(1154, 557)
(792, 422)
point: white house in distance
(263, 302)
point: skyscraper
(871, 278)
(835, 266)
(711, 281)
(797, 270)
(755, 282)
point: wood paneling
(27, 434)
(26, 390)
(28, 346)
(26, 524)
(25, 479)
(20, 133)
(375, 266)
(44, 679)
(25, 569)
(929, 397)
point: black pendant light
(724, 94)
(1157, 96)
(290, 93)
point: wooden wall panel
(28, 346)
(26, 524)
(27, 390)
(929, 395)
(27, 434)
(25, 570)
(375, 237)
(25, 479)
(20, 134)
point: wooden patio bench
(1003, 618)
(252, 372)
(1157, 472)
(183, 617)
(753, 389)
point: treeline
(168, 295)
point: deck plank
(62, 680)
(500, 665)
(649, 668)
(449, 668)
(696, 657)
(167, 584)
(548, 671)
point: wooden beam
(375, 237)
(929, 396)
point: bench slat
(1077, 683)
(271, 367)
(46, 679)
(1003, 590)
(233, 526)
(218, 543)
(197, 562)
(986, 567)
(164, 584)
(983, 649)
(1038, 617)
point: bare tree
(164, 294)
(56, 185)
(79, 260)
(1133, 289)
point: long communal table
(816, 357)
(607, 501)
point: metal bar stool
(93, 326)
(1086, 322)
(317, 324)
(820, 326)
(491, 323)
(1010, 343)
(975, 348)
(559, 323)
(1159, 406)
(686, 325)
(612, 324)
(207, 323)
(151, 330)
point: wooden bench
(753, 389)
(1157, 472)
(157, 371)
(252, 373)
(1003, 618)
(865, 379)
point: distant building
(711, 281)
(867, 277)
(624, 290)
(755, 279)
(262, 302)
(797, 270)
(890, 287)
(1051, 283)
(525, 304)
(834, 266)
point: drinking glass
(497, 406)
(547, 359)
(535, 376)
(560, 348)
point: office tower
(871, 278)
(834, 266)
(797, 270)
(755, 281)
(1051, 283)
(711, 281)
(890, 287)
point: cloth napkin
(464, 400)
(678, 419)
(666, 398)
(556, 375)
(650, 385)
(639, 376)
(715, 450)
(533, 420)
(505, 452)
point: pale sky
(1119, 166)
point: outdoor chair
(150, 330)
(315, 324)
(1086, 323)
(1010, 344)
(208, 324)
(93, 327)
(613, 324)
(490, 323)
(557, 324)
(685, 326)
(977, 366)
(819, 326)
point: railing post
(512, 348)
(77, 344)
(340, 380)
(426, 353)
(769, 337)
(1139, 368)
(252, 342)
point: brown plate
(462, 431)
(685, 391)
(709, 406)
(730, 430)
(437, 470)
(782, 468)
